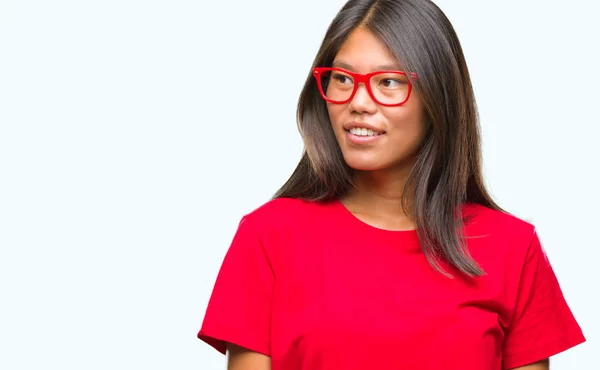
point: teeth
(363, 132)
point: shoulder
(281, 206)
(286, 215)
(282, 209)
(279, 226)
(497, 234)
(496, 222)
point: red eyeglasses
(387, 88)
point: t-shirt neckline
(358, 224)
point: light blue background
(135, 134)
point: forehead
(364, 52)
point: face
(399, 130)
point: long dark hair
(447, 172)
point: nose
(362, 100)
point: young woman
(384, 250)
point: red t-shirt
(315, 288)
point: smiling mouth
(365, 132)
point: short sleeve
(239, 308)
(543, 324)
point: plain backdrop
(135, 134)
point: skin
(381, 167)
(242, 359)
(542, 365)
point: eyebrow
(344, 65)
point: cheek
(407, 127)
(336, 116)
(335, 111)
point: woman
(384, 250)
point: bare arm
(541, 365)
(242, 359)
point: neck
(377, 198)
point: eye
(391, 83)
(341, 78)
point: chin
(365, 164)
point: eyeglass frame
(358, 78)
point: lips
(361, 125)
(362, 134)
